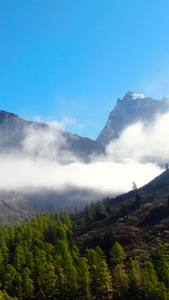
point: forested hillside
(39, 259)
(113, 249)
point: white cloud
(47, 144)
(67, 120)
(46, 161)
(143, 143)
(37, 119)
(67, 123)
(105, 177)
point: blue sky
(71, 60)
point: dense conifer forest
(116, 248)
(39, 259)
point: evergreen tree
(71, 285)
(134, 275)
(50, 282)
(45, 276)
(83, 278)
(19, 258)
(101, 281)
(4, 251)
(162, 263)
(117, 254)
(17, 283)
(64, 217)
(100, 211)
(108, 241)
(60, 233)
(88, 214)
(27, 284)
(75, 253)
(104, 281)
(150, 282)
(8, 279)
(120, 282)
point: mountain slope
(131, 109)
(137, 219)
(23, 140)
(44, 258)
(13, 131)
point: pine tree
(19, 258)
(162, 263)
(8, 279)
(17, 283)
(71, 286)
(120, 282)
(101, 281)
(104, 281)
(27, 284)
(100, 211)
(108, 241)
(117, 254)
(50, 282)
(64, 217)
(88, 214)
(150, 282)
(134, 275)
(83, 278)
(45, 276)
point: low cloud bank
(46, 161)
(103, 176)
(143, 143)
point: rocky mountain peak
(128, 95)
(129, 110)
(131, 96)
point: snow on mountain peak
(131, 96)
(138, 96)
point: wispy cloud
(67, 123)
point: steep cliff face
(129, 110)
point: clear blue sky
(76, 57)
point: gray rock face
(131, 109)
(13, 131)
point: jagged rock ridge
(131, 109)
